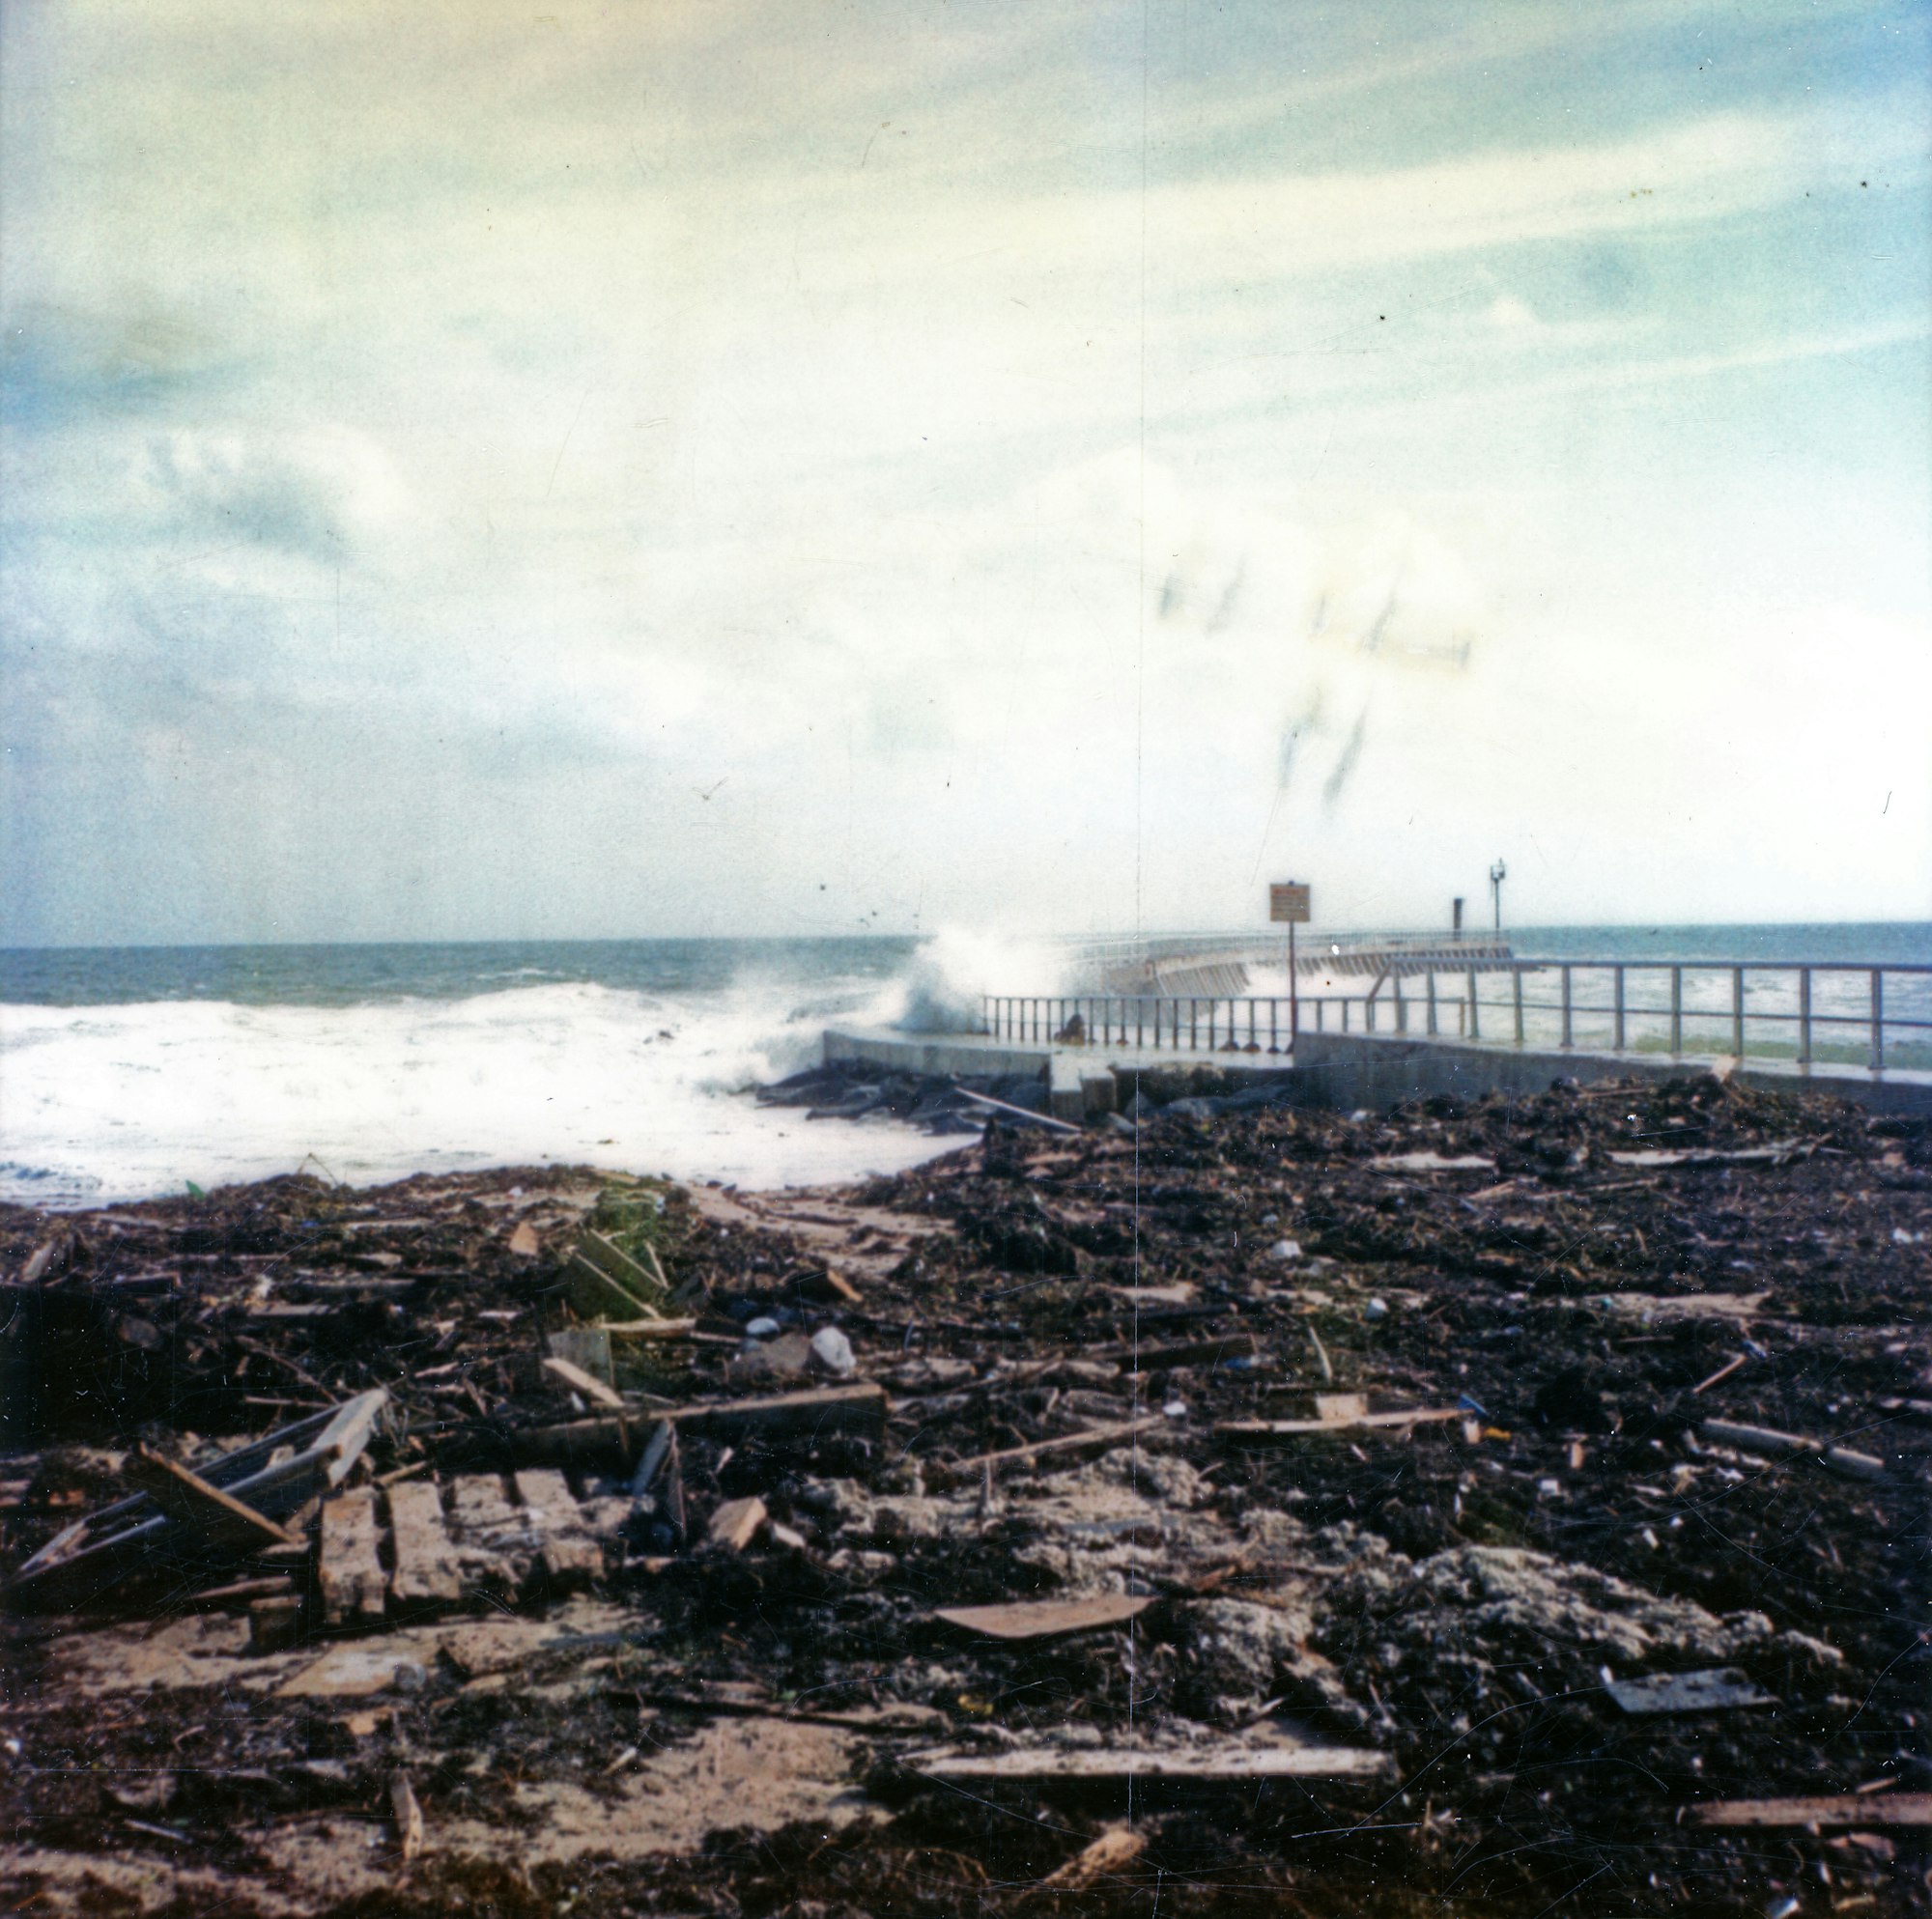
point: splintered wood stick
(406, 1811)
(1724, 1371)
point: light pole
(1499, 873)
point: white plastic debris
(762, 1328)
(1175, 1409)
(1377, 1308)
(833, 1351)
(1285, 1249)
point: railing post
(1345, 1015)
(1617, 1045)
(1140, 1020)
(1738, 1011)
(1475, 1018)
(1400, 1007)
(1566, 1010)
(1803, 1019)
(1431, 976)
(1878, 1019)
(1676, 1011)
(1193, 1024)
(1516, 986)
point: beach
(1340, 1498)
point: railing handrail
(1240, 1022)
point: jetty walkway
(1421, 1027)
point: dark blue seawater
(353, 976)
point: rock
(764, 1327)
(831, 1353)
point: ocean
(130, 1072)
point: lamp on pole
(1499, 873)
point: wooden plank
(1763, 1439)
(648, 1329)
(567, 1547)
(215, 1517)
(1262, 1432)
(1093, 1766)
(1047, 1452)
(735, 1524)
(342, 1439)
(427, 1571)
(814, 1413)
(351, 1573)
(490, 1536)
(1853, 1809)
(579, 1381)
(1209, 1351)
(1046, 1618)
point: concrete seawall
(1344, 1071)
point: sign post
(1287, 900)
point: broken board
(349, 1567)
(1204, 1763)
(427, 1572)
(1046, 1618)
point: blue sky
(612, 470)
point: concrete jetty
(1344, 1071)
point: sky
(471, 471)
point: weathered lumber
(1263, 1432)
(215, 1517)
(406, 1813)
(1211, 1351)
(735, 1524)
(348, 1567)
(275, 1475)
(813, 1413)
(1853, 1809)
(1091, 1765)
(427, 1571)
(648, 1329)
(1047, 1452)
(1763, 1439)
(568, 1549)
(1715, 1690)
(490, 1536)
(579, 1381)
(1046, 1618)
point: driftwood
(217, 1518)
(1853, 1809)
(1265, 1432)
(1082, 1765)
(1763, 1439)
(1045, 1619)
(1047, 1452)
(815, 1413)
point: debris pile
(1491, 1505)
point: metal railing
(1822, 1012)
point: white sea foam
(104, 1103)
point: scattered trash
(1388, 1515)
(1715, 1690)
(833, 1351)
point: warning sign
(1288, 899)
